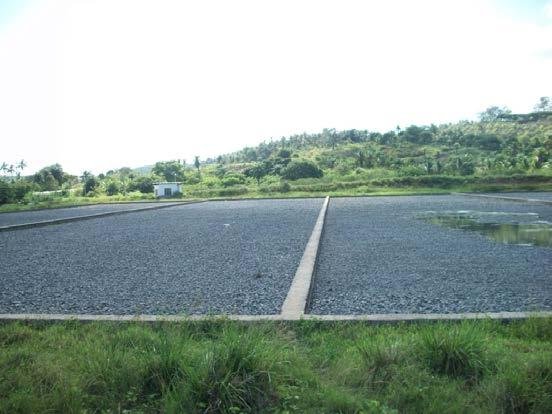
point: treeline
(499, 144)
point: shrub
(112, 188)
(211, 181)
(232, 179)
(90, 185)
(144, 184)
(15, 191)
(6, 192)
(301, 169)
(284, 187)
(234, 191)
(411, 170)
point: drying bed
(378, 255)
(215, 257)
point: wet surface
(525, 229)
(377, 256)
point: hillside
(503, 151)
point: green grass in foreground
(305, 367)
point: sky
(101, 84)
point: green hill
(505, 151)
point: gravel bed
(378, 257)
(23, 217)
(526, 194)
(216, 257)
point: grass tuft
(232, 375)
(455, 350)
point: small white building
(167, 189)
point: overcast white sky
(101, 84)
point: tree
(330, 136)
(124, 172)
(11, 168)
(169, 170)
(257, 171)
(90, 185)
(6, 192)
(50, 178)
(197, 164)
(112, 188)
(417, 135)
(144, 184)
(301, 169)
(85, 176)
(544, 105)
(493, 113)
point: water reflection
(517, 228)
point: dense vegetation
(303, 367)
(500, 151)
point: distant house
(167, 189)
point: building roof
(168, 182)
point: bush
(284, 187)
(144, 184)
(211, 181)
(90, 185)
(112, 188)
(411, 171)
(301, 169)
(15, 191)
(443, 181)
(6, 192)
(232, 179)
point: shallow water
(524, 229)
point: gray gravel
(216, 257)
(23, 217)
(527, 194)
(377, 257)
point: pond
(523, 229)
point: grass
(318, 188)
(219, 366)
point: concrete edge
(375, 318)
(106, 203)
(503, 198)
(296, 301)
(318, 196)
(414, 317)
(90, 217)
